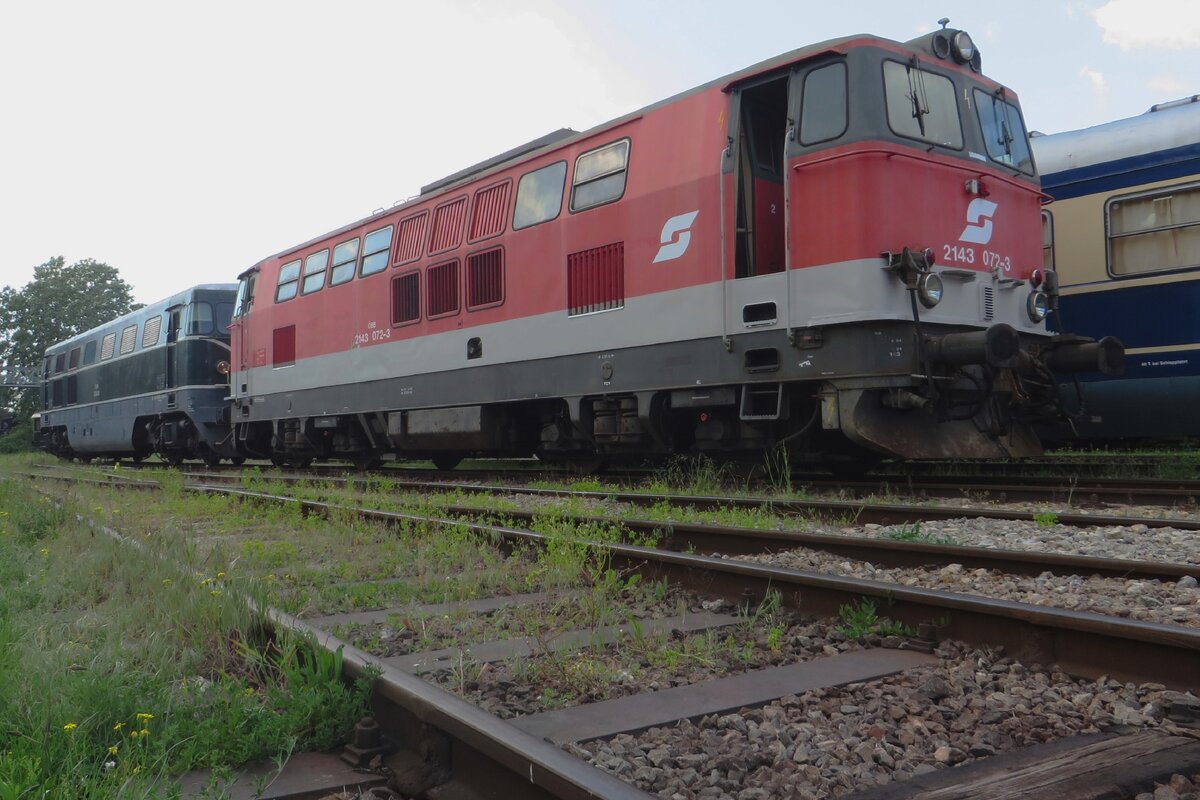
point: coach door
(240, 349)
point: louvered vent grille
(485, 279)
(443, 289)
(989, 304)
(447, 225)
(406, 298)
(412, 236)
(489, 212)
(596, 279)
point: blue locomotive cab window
(199, 319)
(823, 109)
(1003, 131)
(345, 259)
(921, 105)
(89, 353)
(539, 195)
(224, 315)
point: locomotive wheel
(173, 459)
(237, 461)
(212, 460)
(585, 464)
(365, 461)
(447, 460)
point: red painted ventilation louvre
(489, 211)
(485, 279)
(283, 346)
(411, 238)
(596, 279)
(447, 225)
(406, 298)
(443, 289)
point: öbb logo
(979, 221)
(676, 236)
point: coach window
(345, 259)
(823, 110)
(1003, 131)
(600, 176)
(289, 278)
(151, 331)
(921, 105)
(60, 363)
(199, 319)
(128, 340)
(73, 360)
(108, 346)
(539, 195)
(376, 247)
(89, 353)
(1155, 231)
(314, 272)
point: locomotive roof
(1161, 128)
(565, 136)
(147, 311)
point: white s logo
(979, 221)
(672, 247)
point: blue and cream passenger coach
(1123, 238)
(152, 381)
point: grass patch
(119, 671)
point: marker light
(1035, 278)
(930, 289)
(223, 367)
(1037, 305)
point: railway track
(1081, 643)
(1095, 493)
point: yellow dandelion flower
(45, 551)
(249, 692)
(144, 717)
(113, 750)
(116, 511)
(3, 513)
(166, 581)
(143, 733)
(204, 582)
(99, 509)
(70, 726)
(136, 770)
(215, 592)
(133, 734)
(220, 574)
(118, 726)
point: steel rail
(1081, 643)
(729, 540)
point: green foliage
(912, 533)
(1045, 519)
(863, 620)
(58, 303)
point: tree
(58, 303)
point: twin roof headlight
(963, 47)
(950, 43)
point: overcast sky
(181, 143)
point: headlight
(962, 47)
(222, 367)
(1037, 305)
(929, 289)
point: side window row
(599, 178)
(199, 321)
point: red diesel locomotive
(833, 251)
